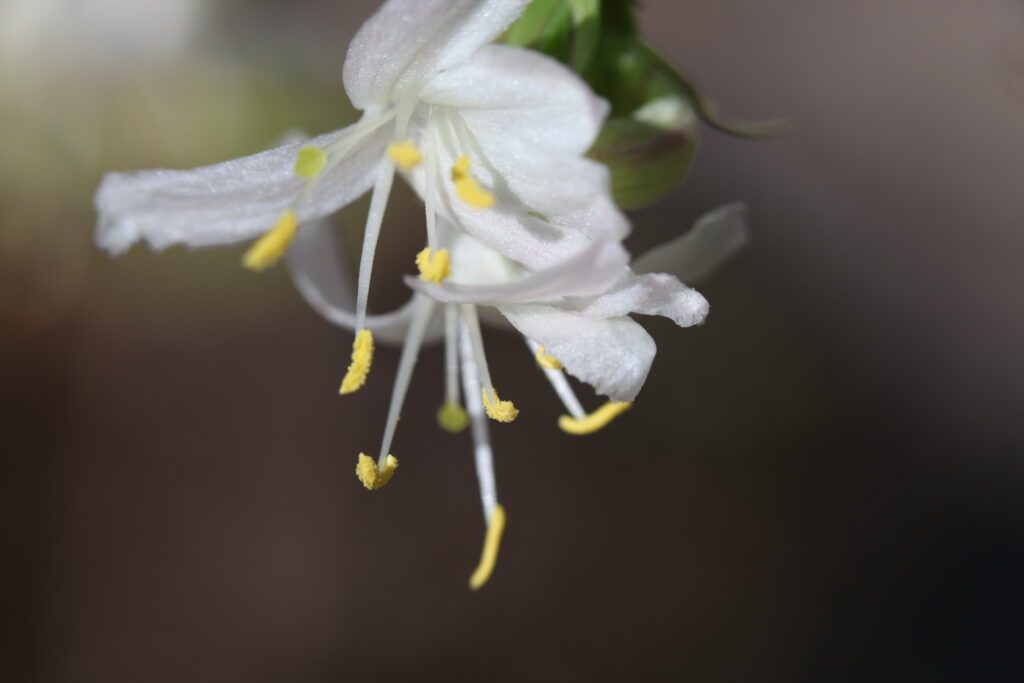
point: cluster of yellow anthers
(434, 266)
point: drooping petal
(591, 271)
(715, 238)
(613, 355)
(407, 41)
(507, 93)
(530, 238)
(658, 294)
(231, 201)
(323, 276)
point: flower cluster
(518, 220)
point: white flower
(436, 98)
(518, 219)
(573, 321)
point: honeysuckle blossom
(588, 336)
(518, 220)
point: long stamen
(311, 163)
(430, 179)
(376, 477)
(595, 421)
(577, 422)
(410, 353)
(362, 349)
(451, 416)
(559, 383)
(466, 186)
(494, 513)
(498, 410)
(269, 248)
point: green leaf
(647, 158)
(586, 18)
(545, 26)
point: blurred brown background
(822, 483)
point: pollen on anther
(546, 360)
(371, 476)
(596, 421)
(433, 267)
(405, 155)
(498, 410)
(468, 188)
(272, 246)
(492, 544)
(362, 360)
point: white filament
(424, 307)
(561, 385)
(431, 147)
(482, 453)
(374, 219)
(476, 340)
(451, 354)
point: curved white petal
(542, 181)
(508, 93)
(528, 240)
(659, 294)
(592, 270)
(407, 41)
(598, 219)
(324, 278)
(613, 355)
(230, 201)
(715, 238)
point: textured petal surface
(227, 202)
(509, 228)
(613, 355)
(510, 93)
(324, 277)
(592, 270)
(659, 294)
(715, 238)
(529, 121)
(408, 41)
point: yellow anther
(498, 410)
(594, 422)
(452, 417)
(373, 478)
(310, 162)
(271, 247)
(469, 190)
(492, 543)
(547, 361)
(433, 267)
(362, 359)
(405, 155)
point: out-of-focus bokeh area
(823, 483)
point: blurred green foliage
(650, 139)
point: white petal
(531, 240)
(659, 294)
(407, 41)
(592, 270)
(230, 201)
(516, 94)
(526, 121)
(323, 275)
(599, 219)
(715, 238)
(613, 355)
